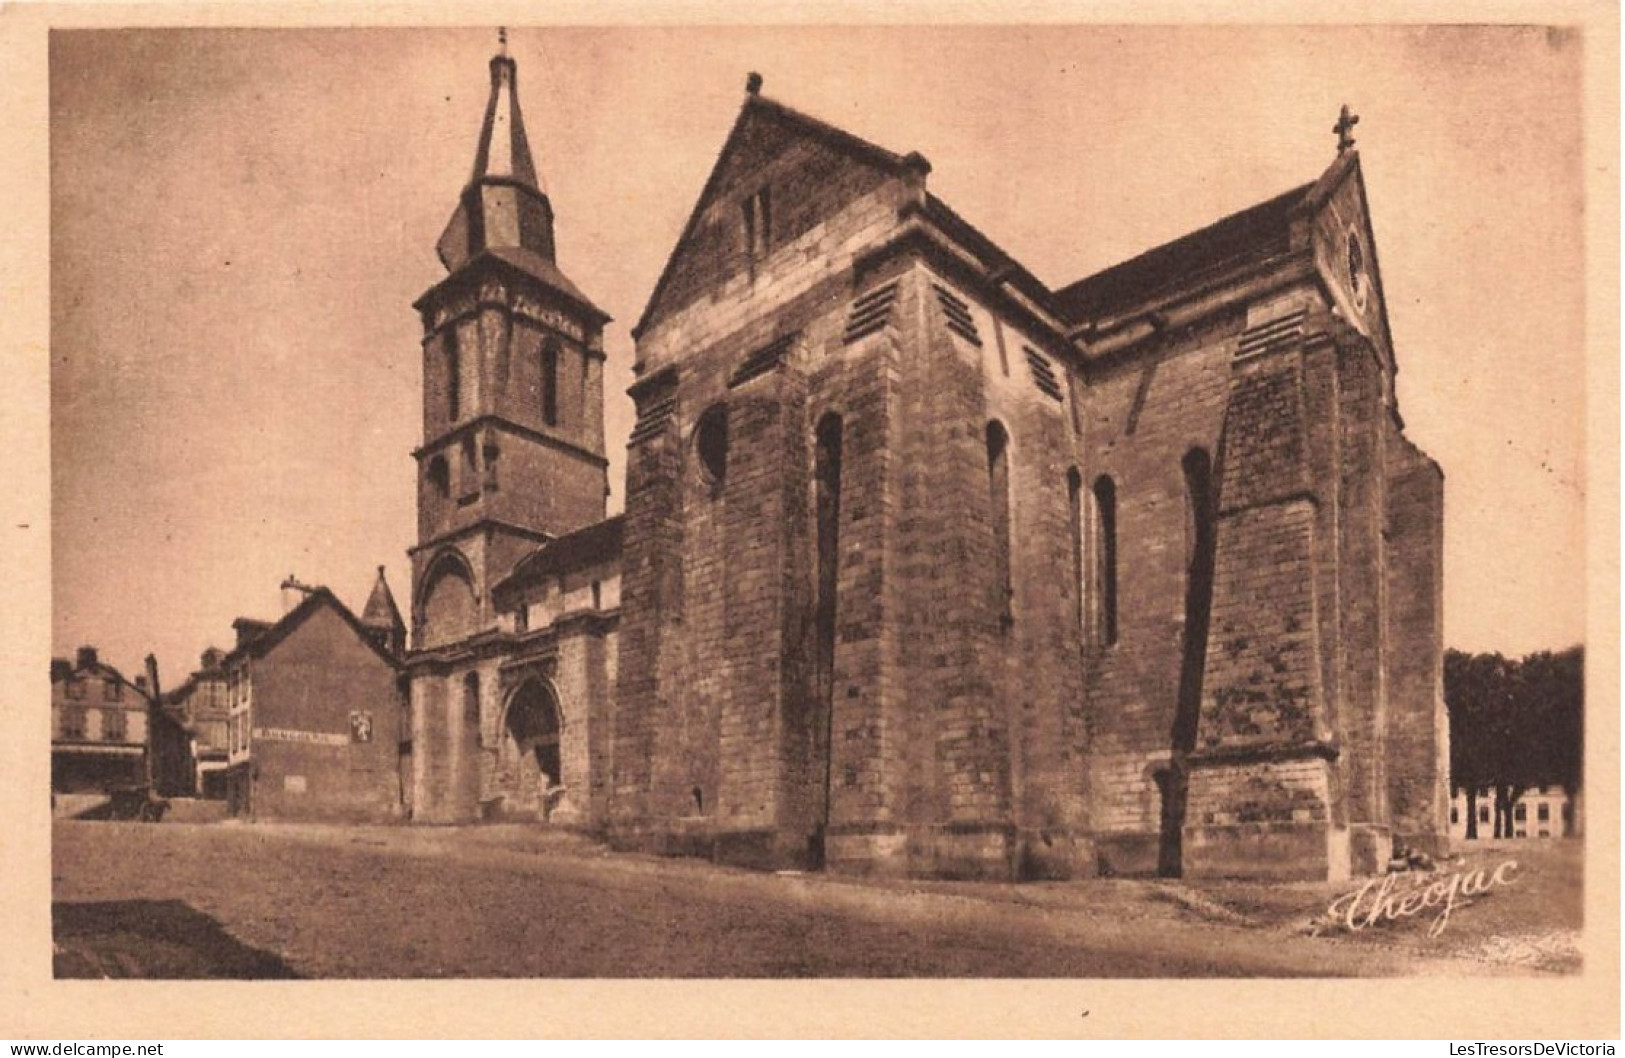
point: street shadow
(163, 939)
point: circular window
(711, 443)
(1359, 280)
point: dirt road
(233, 900)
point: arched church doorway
(532, 728)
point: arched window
(467, 482)
(1200, 548)
(439, 476)
(491, 452)
(533, 724)
(550, 384)
(1074, 514)
(471, 698)
(1105, 492)
(711, 443)
(998, 484)
(454, 375)
(827, 502)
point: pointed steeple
(383, 617)
(503, 206)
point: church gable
(778, 175)
(1345, 251)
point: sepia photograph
(1070, 501)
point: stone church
(926, 568)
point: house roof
(314, 600)
(1253, 234)
(65, 668)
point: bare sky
(242, 219)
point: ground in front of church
(225, 899)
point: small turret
(382, 617)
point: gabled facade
(315, 711)
(202, 705)
(98, 726)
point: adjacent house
(201, 704)
(1547, 811)
(98, 726)
(313, 710)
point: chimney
(86, 658)
(61, 669)
(141, 684)
(248, 630)
(294, 593)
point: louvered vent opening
(1268, 337)
(957, 315)
(653, 419)
(763, 360)
(871, 312)
(1044, 376)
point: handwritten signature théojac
(1378, 899)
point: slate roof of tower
(381, 611)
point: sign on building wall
(320, 738)
(360, 725)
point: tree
(1513, 725)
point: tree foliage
(1514, 724)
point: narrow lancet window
(1105, 492)
(454, 376)
(550, 384)
(998, 482)
(1074, 511)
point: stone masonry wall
(1418, 752)
(1140, 419)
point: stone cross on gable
(502, 39)
(1346, 121)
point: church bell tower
(513, 368)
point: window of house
(1483, 813)
(76, 688)
(1543, 813)
(1520, 813)
(521, 618)
(113, 725)
(1455, 815)
(111, 691)
(73, 722)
